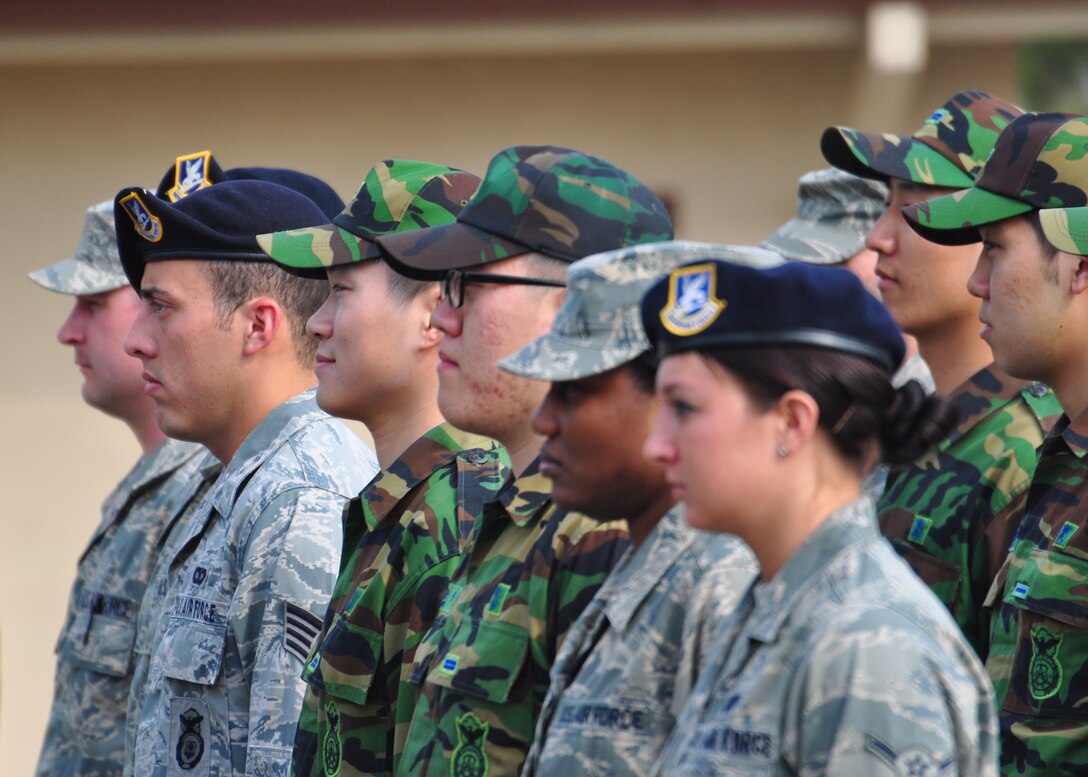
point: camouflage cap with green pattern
(1040, 161)
(599, 326)
(96, 265)
(559, 202)
(397, 195)
(948, 150)
(835, 211)
(1066, 229)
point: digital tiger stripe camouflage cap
(948, 150)
(599, 326)
(95, 267)
(397, 195)
(559, 202)
(1040, 161)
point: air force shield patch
(148, 226)
(190, 174)
(691, 306)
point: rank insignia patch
(691, 306)
(910, 762)
(190, 745)
(148, 226)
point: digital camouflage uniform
(633, 654)
(243, 606)
(842, 664)
(402, 538)
(85, 733)
(952, 514)
(95, 666)
(528, 571)
(188, 505)
(1039, 609)
(616, 684)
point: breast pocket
(193, 652)
(1050, 593)
(348, 661)
(483, 659)
(101, 643)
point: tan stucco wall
(723, 136)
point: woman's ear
(798, 419)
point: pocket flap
(348, 658)
(1049, 583)
(193, 652)
(483, 660)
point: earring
(783, 452)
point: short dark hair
(235, 283)
(643, 370)
(403, 288)
(859, 407)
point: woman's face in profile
(718, 449)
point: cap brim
(855, 152)
(426, 254)
(799, 240)
(310, 252)
(1066, 229)
(72, 276)
(954, 219)
(552, 357)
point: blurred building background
(716, 104)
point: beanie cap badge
(691, 305)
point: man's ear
(799, 417)
(421, 307)
(1079, 281)
(261, 319)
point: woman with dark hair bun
(777, 402)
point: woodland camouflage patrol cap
(555, 201)
(396, 196)
(1040, 161)
(96, 265)
(948, 149)
(599, 326)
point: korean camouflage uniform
(1039, 626)
(525, 576)
(402, 538)
(633, 655)
(952, 514)
(85, 733)
(243, 606)
(813, 676)
(191, 498)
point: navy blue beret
(219, 222)
(715, 304)
(192, 172)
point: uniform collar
(267, 437)
(981, 395)
(640, 570)
(430, 453)
(527, 496)
(1072, 432)
(851, 525)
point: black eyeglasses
(453, 285)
